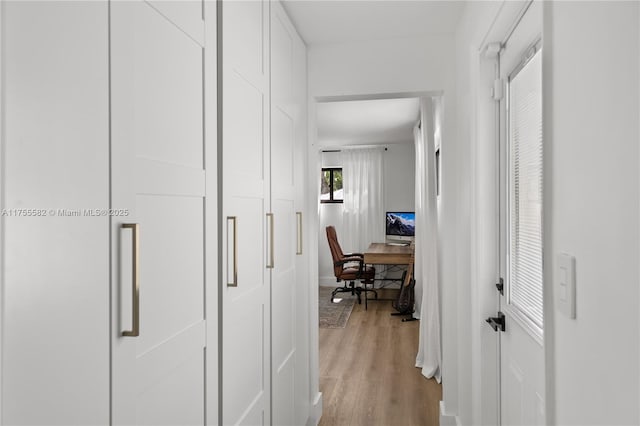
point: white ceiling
(367, 122)
(335, 21)
(330, 21)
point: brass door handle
(234, 233)
(270, 264)
(299, 229)
(135, 279)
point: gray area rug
(334, 315)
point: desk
(386, 254)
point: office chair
(346, 269)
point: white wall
(399, 177)
(381, 66)
(399, 195)
(592, 183)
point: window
(331, 185)
(524, 192)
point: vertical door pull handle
(135, 278)
(232, 236)
(270, 264)
(299, 228)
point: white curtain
(426, 251)
(362, 177)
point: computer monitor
(400, 226)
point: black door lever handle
(497, 322)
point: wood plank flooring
(367, 373)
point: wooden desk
(386, 254)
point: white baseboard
(447, 419)
(316, 411)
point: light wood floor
(367, 373)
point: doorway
(351, 371)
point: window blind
(525, 190)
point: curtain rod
(353, 147)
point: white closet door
(158, 173)
(301, 279)
(246, 254)
(285, 149)
(55, 269)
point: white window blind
(525, 190)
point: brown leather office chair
(349, 268)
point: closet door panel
(247, 38)
(158, 173)
(304, 310)
(179, 384)
(246, 395)
(156, 177)
(282, 36)
(246, 254)
(283, 288)
(246, 332)
(244, 141)
(282, 152)
(55, 295)
(171, 264)
(167, 104)
(185, 14)
(284, 313)
(283, 149)
(284, 399)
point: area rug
(334, 315)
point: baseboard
(316, 411)
(447, 419)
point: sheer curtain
(426, 250)
(362, 177)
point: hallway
(162, 220)
(367, 373)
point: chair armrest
(354, 255)
(353, 259)
(348, 260)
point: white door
(522, 370)
(54, 273)
(285, 147)
(247, 253)
(301, 280)
(158, 174)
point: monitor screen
(401, 224)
